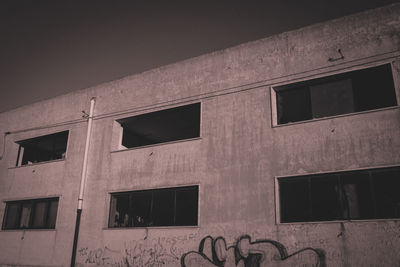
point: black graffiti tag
(246, 253)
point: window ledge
(27, 230)
(334, 117)
(158, 144)
(152, 227)
(37, 163)
(341, 221)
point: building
(281, 151)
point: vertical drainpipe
(83, 182)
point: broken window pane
(374, 88)
(114, 217)
(158, 207)
(39, 218)
(25, 215)
(325, 204)
(119, 215)
(162, 126)
(52, 214)
(332, 98)
(141, 208)
(294, 105)
(163, 208)
(186, 206)
(386, 185)
(43, 148)
(357, 190)
(345, 93)
(294, 199)
(11, 220)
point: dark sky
(48, 48)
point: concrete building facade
(282, 151)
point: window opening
(355, 195)
(42, 148)
(344, 93)
(31, 214)
(162, 126)
(159, 207)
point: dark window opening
(161, 126)
(42, 148)
(355, 195)
(159, 207)
(345, 93)
(31, 214)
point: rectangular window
(158, 207)
(354, 91)
(162, 126)
(31, 214)
(354, 195)
(42, 148)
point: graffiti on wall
(169, 251)
(246, 253)
(156, 252)
(137, 256)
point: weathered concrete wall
(234, 162)
(58, 178)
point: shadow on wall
(245, 253)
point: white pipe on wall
(85, 155)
